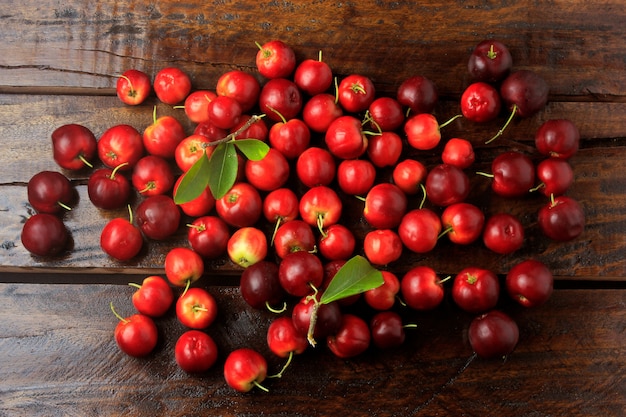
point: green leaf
(253, 149)
(222, 169)
(194, 181)
(355, 276)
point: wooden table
(59, 62)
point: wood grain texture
(86, 44)
(61, 359)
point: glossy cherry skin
(530, 283)
(503, 233)
(337, 242)
(313, 76)
(153, 297)
(386, 113)
(320, 206)
(329, 318)
(385, 149)
(475, 289)
(409, 175)
(195, 351)
(241, 206)
(345, 138)
(158, 217)
(446, 185)
(280, 206)
(316, 166)
(480, 102)
(490, 61)
(292, 236)
(44, 234)
(356, 176)
(556, 176)
(558, 138)
(464, 222)
(196, 105)
(562, 219)
(240, 85)
(387, 330)
(513, 174)
(120, 239)
(72, 145)
(422, 131)
(163, 136)
(458, 152)
(283, 339)
(208, 236)
(355, 93)
(382, 246)
(419, 230)
(49, 191)
(352, 338)
(196, 308)
(244, 368)
(526, 90)
(120, 144)
(383, 297)
(136, 335)
(421, 288)
(275, 59)
(291, 138)
(385, 205)
(133, 87)
(152, 175)
(269, 173)
(280, 97)
(171, 85)
(320, 111)
(493, 334)
(418, 93)
(260, 287)
(108, 189)
(300, 272)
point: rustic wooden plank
(59, 358)
(85, 44)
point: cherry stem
(279, 222)
(423, 196)
(134, 284)
(445, 232)
(537, 188)
(401, 301)
(320, 225)
(85, 161)
(319, 56)
(441, 281)
(122, 319)
(117, 168)
(501, 131)
(64, 206)
(278, 113)
(261, 387)
(410, 326)
(336, 91)
(313, 319)
(484, 174)
(130, 83)
(187, 285)
(285, 366)
(130, 214)
(274, 310)
(444, 124)
(231, 136)
(154, 114)
(491, 54)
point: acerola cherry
(283, 339)
(158, 217)
(513, 174)
(556, 176)
(163, 136)
(383, 297)
(419, 230)
(562, 218)
(558, 138)
(345, 138)
(320, 111)
(44, 234)
(153, 297)
(152, 175)
(280, 206)
(290, 137)
(50, 192)
(280, 96)
(480, 102)
(197, 104)
(355, 176)
(329, 317)
(490, 61)
(275, 59)
(386, 114)
(260, 287)
(199, 206)
(247, 246)
(208, 236)
(192, 148)
(135, 335)
(245, 369)
(503, 233)
(446, 185)
(409, 175)
(352, 338)
(240, 85)
(475, 289)
(320, 206)
(196, 308)
(421, 288)
(269, 173)
(382, 246)
(315, 166)
(133, 87)
(418, 93)
(387, 330)
(293, 236)
(530, 283)
(73, 146)
(120, 144)
(241, 206)
(356, 92)
(183, 266)
(313, 76)
(493, 334)
(172, 85)
(195, 351)
(300, 272)
(458, 152)
(337, 242)
(385, 205)
(121, 239)
(108, 189)
(384, 149)
(463, 222)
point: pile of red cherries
(331, 138)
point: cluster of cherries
(337, 144)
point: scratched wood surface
(59, 61)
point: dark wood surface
(59, 63)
